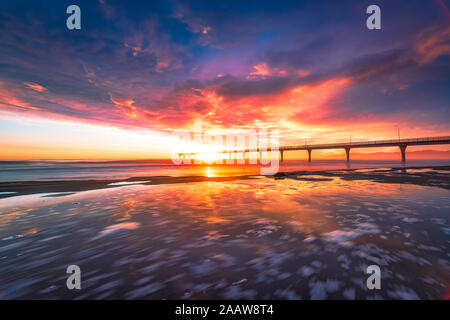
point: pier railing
(360, 144)
(402, 143)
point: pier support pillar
(228, 160)
(281, 155)
(347, 152)
(403, 151)
(309, 155)
(260, 156)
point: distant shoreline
(383, 175)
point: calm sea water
(48, 170)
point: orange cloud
(35, 87)
(126, 105)
(263, 70)
(312, 98)
(206, 29)
(432, 43)
(302, 73)
(8, 100)
(161, 65)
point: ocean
(71, 170)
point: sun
(208, 153)
(208, 157)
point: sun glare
(208, 157)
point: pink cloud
(35, 87)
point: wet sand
(17, 188)
(426, 176)
(296, 236)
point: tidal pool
(244, 239)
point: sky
(137, 71)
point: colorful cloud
(160, 66)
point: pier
(401, 143)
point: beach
(296, 235)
